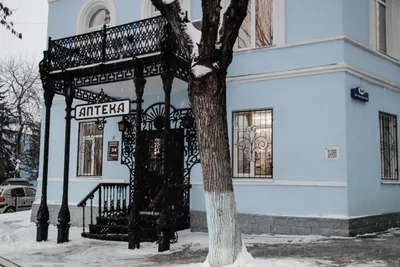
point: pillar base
(42, 231)
(163, 241)
(63, 232)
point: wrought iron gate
(184, 154)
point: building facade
(309, 154)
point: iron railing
(112, 199)
(109, 44)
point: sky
(30, 18)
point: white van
(16, 198)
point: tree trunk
(208, 98)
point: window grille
(252, 144)
(90, 149)
(389, 150)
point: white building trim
(279, 26)
(90, 8)
(270, 182)
(373, 24)
(147, 10)
(339, 67)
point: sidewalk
(17, 236)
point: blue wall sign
(359, 94)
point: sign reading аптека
(101, 110)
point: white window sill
(272, 182)
(88, 177)
(253, 180)
(394, 182)
(387, 56)
(253, 49)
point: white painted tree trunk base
(244, 259)
(225, 241)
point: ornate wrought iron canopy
(105, 56)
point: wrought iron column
(134, 216)
(43, 211)
(64, 217)
(164, 227)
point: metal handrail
(112, 196)
(93, 191)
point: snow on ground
(18, 235)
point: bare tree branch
(5, 13)
(209, 30)
(233, 19)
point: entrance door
(152, 168)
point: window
(256, 30)
(252, 144)
(389, 150)
(17, 192)
(90, 159)
(385, 28)
(30, 192)
(99, 19)
(148, 9)
(95, 14)
(381, 27)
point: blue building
(313, 103)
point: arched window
(100, 18)
(96, 13)
(148, 9)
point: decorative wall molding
(339, 67)
(270, 182)
(322, 40)
(90, 8)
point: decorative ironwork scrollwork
(180, 119)
(251, 142)
(124, 41)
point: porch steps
(108, 237)
(116, 229)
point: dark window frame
(78, 165)
(387, 141)
(235, 174)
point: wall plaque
(113, 150)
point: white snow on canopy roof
(200, 70)
(195, 36)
